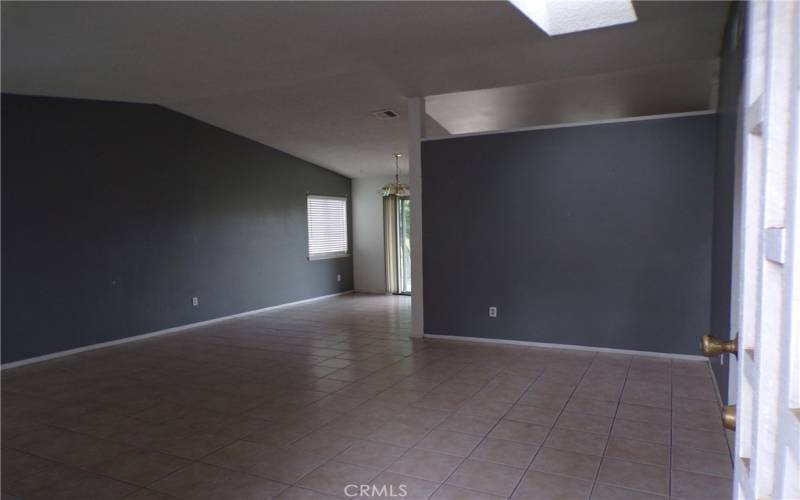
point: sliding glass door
(403, 245)
(397, 243)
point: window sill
(328, 256)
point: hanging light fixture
(395, 188)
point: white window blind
(327, 227)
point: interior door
(766, 290)
(404, 245)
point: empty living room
(421, 250)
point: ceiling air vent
(385, 114)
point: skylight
(558, 17)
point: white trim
(416, 131)
(574, 124)
(326, 256)
(548, 345)
(166, 331)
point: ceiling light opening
(559, 17)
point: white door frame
(766, 287)
(416, 131)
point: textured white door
(767, 292)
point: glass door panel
(404, 245)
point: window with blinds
(327, 227)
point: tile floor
(300, 402)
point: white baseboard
(166, 331)
(548, 345)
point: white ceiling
(654, 90)
(304, 76)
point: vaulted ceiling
(304, 77)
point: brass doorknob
(729, 417)
(712, 346)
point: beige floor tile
(532, 414)
(295, 493)
(56, 481)
(642, 431)
(240, 455)
(692, 460)
(86, 486)
(484, 407)
(647, 394)
(692, 486)
(637, 451)
(371, 453)
(333, 477)
(399, 434)
(141, 467)
(700, 440)
(608, 492)
(500, 451)
(591, 407)
(452, 443)
(17, 465)
(323, 444)
(285, 465)
(400, 396)
(542, 486)
(694, 388)
(230, 427)
(547, 400)
(680, 404)
(449, 492)
(600, 390)
(354, 424)
(584, 422)
(566, 463)
(276, 435)
(651, 376)
(580, 442)
(390, 485)
(327, 385)
(193, 446)
(71, 448)
(645, 414)
(468, 424)
(486, 477)
(426, 465)
(100, 423)
(690, 368)
(523, 432)
(499, 391)
(696, 421)
(641, 477)
(270, 398)
(146, 494)
(207, 482)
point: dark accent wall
(730, 88)
(593, 235)
(115, 215)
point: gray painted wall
(730, 87)
(593, 235)
(115, 215)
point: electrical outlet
(194, 301)
(492, 312)
(338, 277)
